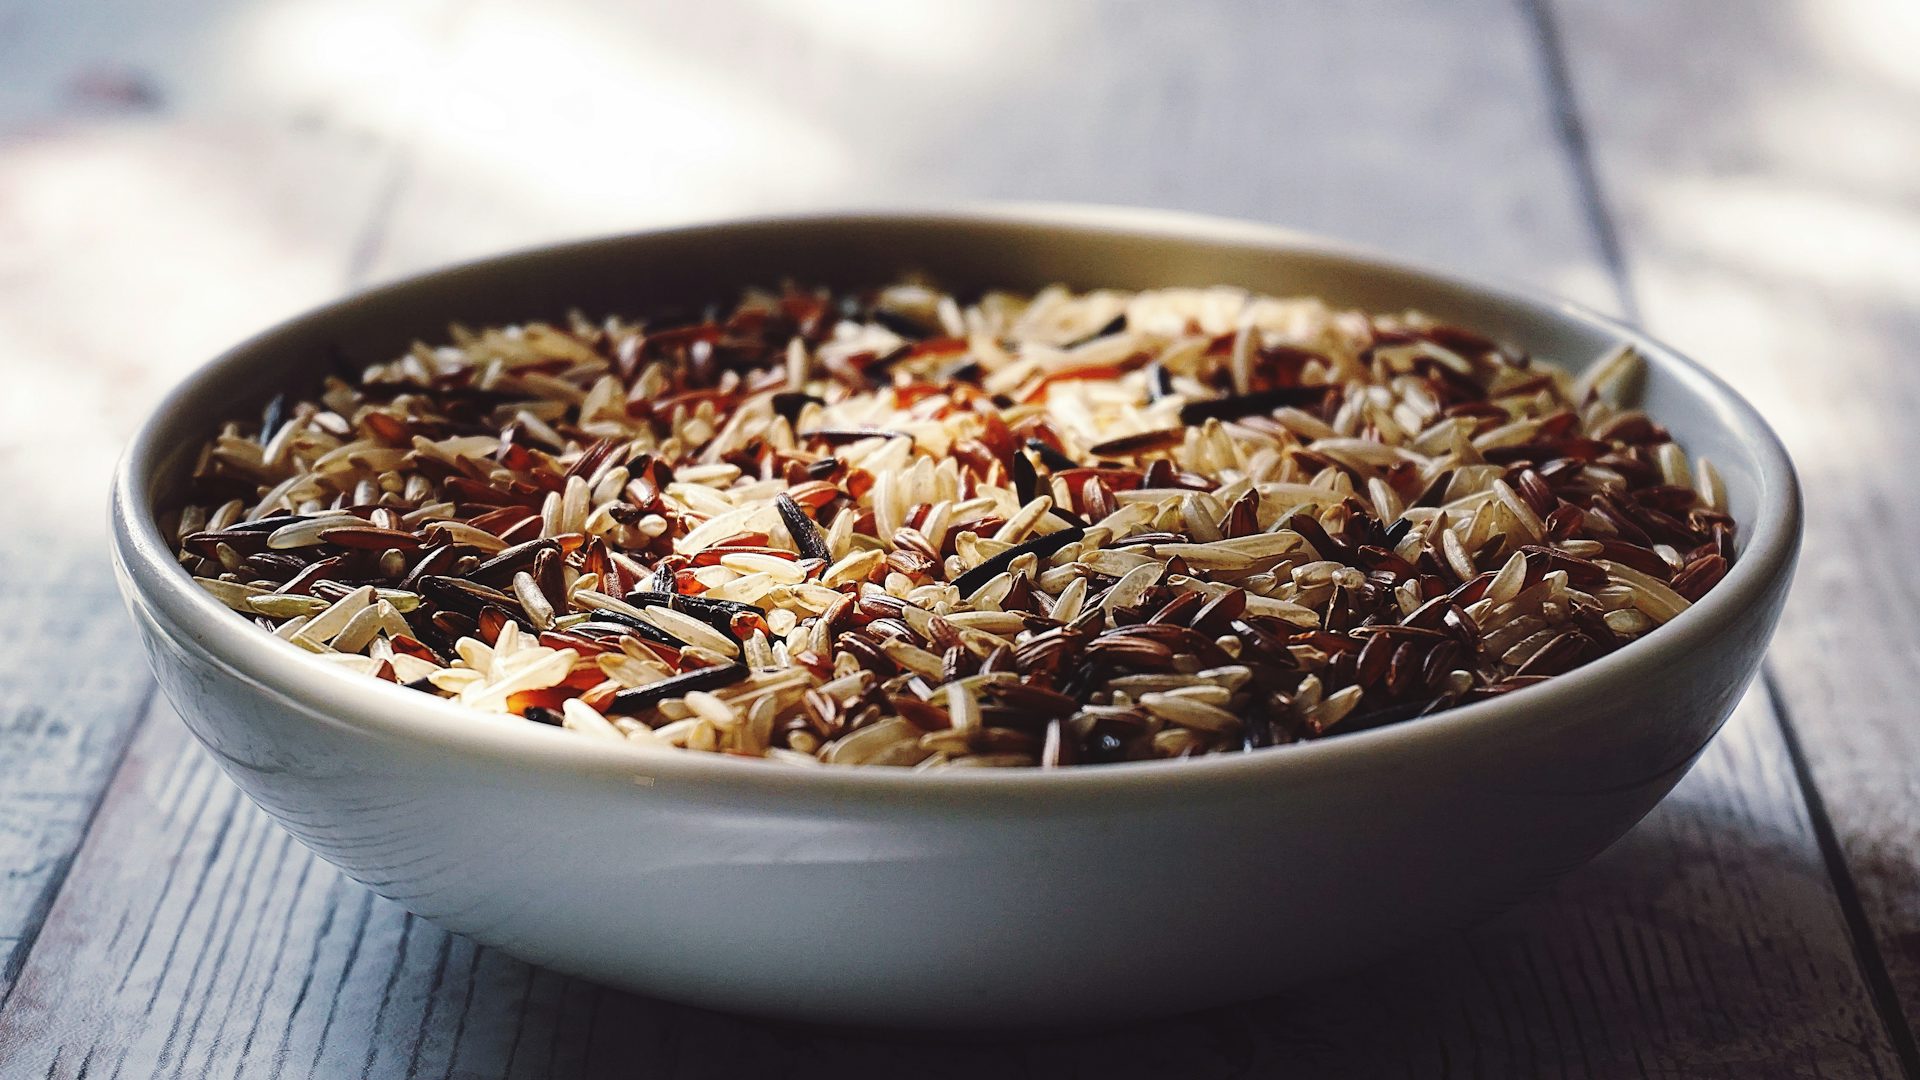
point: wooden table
(1740, 177)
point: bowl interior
(963, 252)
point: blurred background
(1738, 176)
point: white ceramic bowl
(964, 898)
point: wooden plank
(1771, 227)
(55, 759)
(196, 939)
(1421, 132)
(149, 216)
(1708, 943)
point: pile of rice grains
(887, 528)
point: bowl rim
(150, 576)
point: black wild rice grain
(996, 565)
(806, 535)
(644, 697)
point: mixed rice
(888, 527)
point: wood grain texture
(196, 939)
(1773, 230)
(148, 217)
(60, 743)
(1411, 126)
(191, 938)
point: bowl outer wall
(959, 898)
